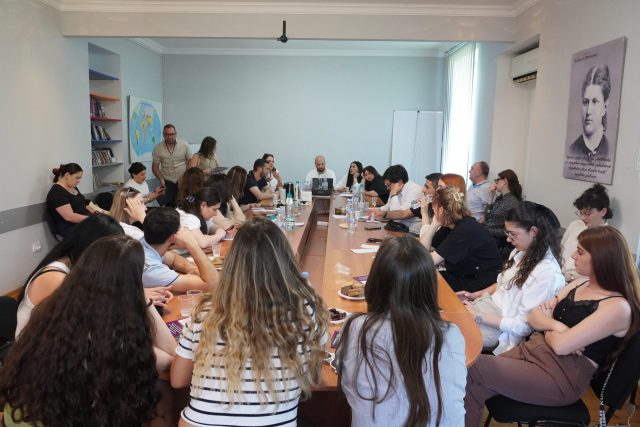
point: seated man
(403, 196)
(256, 188)
(320, 171)
(479, 195)
(161, 266)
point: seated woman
(426, 205)
(354, 176)
(263, 320)
(374, 185)
(86, 358)
(237, 179)
(274, 178)
(229, 215)
(468, 251)
(580, 331)
(121, 213)
(530, 277)
(65, 203)
(192, 181)
(593, 211)
(510, 190)
(205, 159)
(196, 212)
(47, 277)
(138, 181)
(427, 384)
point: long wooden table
(338, 250)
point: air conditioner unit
(524, 67)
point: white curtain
(459, 115)
(417, 142)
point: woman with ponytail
(196, 214)
(510, 190)
(468, 251)
(531, 276)
(65, 203)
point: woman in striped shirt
(254, 345)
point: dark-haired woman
(138, 180)
(531, 276)
(86, 358)
(205, 159)
(374, 185)
(56, 265)
(593, 211)
(510, 190)
(354, 176)
(192, 181)
(400, 364)
(65, 203)
(579, 332)
(230, 214)
(196, 213)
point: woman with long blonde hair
(254, 345)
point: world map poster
(145, 128)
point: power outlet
(36, 247)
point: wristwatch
(479, 319)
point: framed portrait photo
(594, 108)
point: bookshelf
(105, 119)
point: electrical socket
(36, 247)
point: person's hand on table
(471, 308)
(136, 209)
(220, 233)
(467, 296)
(377, 213)
(160, 295)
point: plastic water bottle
(351, 218)
(280, 218)
(288, 209)
(362, 206)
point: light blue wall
(297, 107)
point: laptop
(322, 186)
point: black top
(59, 196)
(378, 186)
(469, 249)
(571, 312)
(248, 196)
(579, 149)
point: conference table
(338, 250)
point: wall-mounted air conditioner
(524, 67)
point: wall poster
(594, 108)
(145, 128)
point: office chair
(622, 384)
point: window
(459, 114)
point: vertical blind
(459, 115)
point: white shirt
(569, 246)
(328, 173)
(405, 198)
(132, 231)
(478, 198)
(190, 221)
(142, 188)
(543, 283)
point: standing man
(320, 171)
(479, 194)
(170, 159)
(256, 187)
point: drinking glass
(374, 201)
(185, 302)
(215, 249)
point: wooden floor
(619, 419)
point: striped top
(209, 403)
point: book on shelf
(102, 156)
(99, 133)
(96, 108)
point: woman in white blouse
(531, 276)
(138, 181)
(593, 211)
(196, 212)
(355, 176)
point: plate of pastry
(353, 292)
(338, 315)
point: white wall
(44, 109)
(565, 28)
(296, 107)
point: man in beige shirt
(170, 159)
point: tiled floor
(620, 417)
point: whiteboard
(416, 142)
